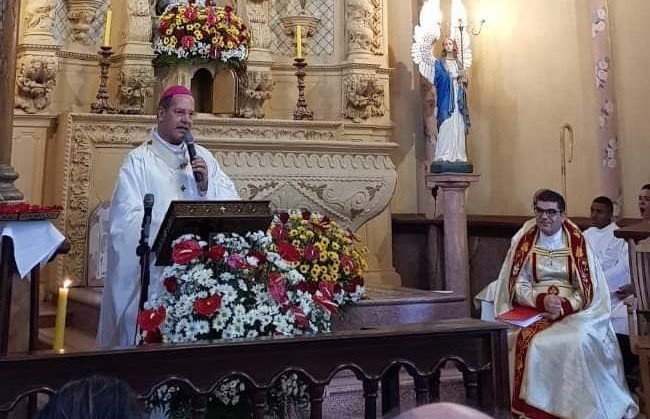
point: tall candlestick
(298, 41)
(107, 28)
(61, 309)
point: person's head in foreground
(644, 201)
(602, 210)
(95, 397)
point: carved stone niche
(215, 89)
(81, 14)
(343, 172)
(364, 26)
(255, 90)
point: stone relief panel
(136, 85)
(35, 80)
(322, 42)
(348, 188)
(258, 13)
(39, 17)
(364, 97)
(255, 91)
(364, 26)
(139, 28)
(80, 21)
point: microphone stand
(143, 251)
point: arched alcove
(224, 99)
(202, 88)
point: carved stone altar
(334, 168)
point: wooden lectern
(207, 218)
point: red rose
(207, 306)
(164, 25)
(171, 284)
(150, 320)
(352, 285)
(228, 8)
(191, 13)
(152, 336)
(277, 288)
(306, 215)
(311, 253)
(279, 232)
(186, 251)
(216, 252)
(288, 252)
(300, 318)
(284, 217)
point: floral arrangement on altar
(289, 280)
(25, 211)
(198, 30)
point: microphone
(191, 150)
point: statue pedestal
(453, 186)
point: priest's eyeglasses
(550, 212)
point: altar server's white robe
(159, 168)
(572, 369)
(612, 253)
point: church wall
(630, 31)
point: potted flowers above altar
(197, 31)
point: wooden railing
(479, 349)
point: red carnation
(211, 18)
(300, 318)
(277, 288)
(191, 13)
(150, 320)
(288, 252)
(311, 253)
(216, 252)
(207, 306)
(171, 284)
(186, 251)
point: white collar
(175, 148)
(554, 241)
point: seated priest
(160, 166)
(568, 364)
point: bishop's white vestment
(162, 169)
(570, 367)
(612, 253)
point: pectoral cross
(183, 188)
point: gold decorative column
(9, 13)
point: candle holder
(302, 111)
(103, 105)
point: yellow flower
(303, 269)
(325, 241)
(309, 234)
(327, 277)
(322, 257)
(169, 31)
(296, 243)
(198, 35)
(334, 270)
(335, 246)
(165, 41)
(315, 270)
(334, 256)
(214, 39)
(230, 45)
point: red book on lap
(521, 316)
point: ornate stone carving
(256, 89)
(136, 85)
(295, 164)
(81, 14)
(364, 97)
(363, 23)
(39, 18)
(259, 15)
(35, 81)
(139, 28)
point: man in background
(612, 254)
